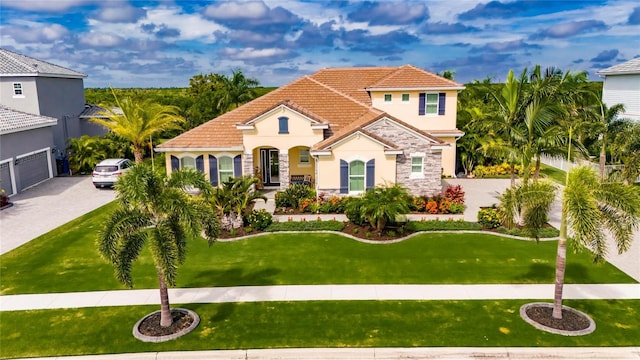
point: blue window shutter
(175, 163)
(371, 174)
(441, 103)
(422, 100)
(237, 166)
(344, 177)
(283, 123)
(200, 163)
(213, 170)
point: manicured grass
(554, 174)
(66, 260)
(313, 324)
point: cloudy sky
(163, 43)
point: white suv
(108, 171)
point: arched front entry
(270, 166)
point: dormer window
(283, 125)
(17, 89)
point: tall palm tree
(236, 90)
(608, 122)
(139, 121)
(592, 206)
(156, 211)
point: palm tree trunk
(561, 263)
(513, 175)
(165, 311)
(536, 174)
(603, 158)
(138, 154)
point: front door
(270, 165)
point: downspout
(316, 173)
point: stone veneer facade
(430, 183)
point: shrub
(417, 203)
(547, 232)
(432, 207)
(500, 170)
(488, 218)
(353, 211)
(391, 233)
(295, 196)
(457, 208)
(332, 225)
(454, 194)
(259, 219)
(432, 225)
(444, 206)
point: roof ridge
(27, 113)
(338, 92)
(18, 58)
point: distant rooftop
(13, 120)
(14, 64)
(628, 67)
(95, 111)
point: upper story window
(187, 162)
(225, 168)
(387, 97)
(405, 97)
(283, 125)
(432, 104)
(17, 89)
(304, 156)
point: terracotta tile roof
(14, 64)
(410, 77)
(337, 97)
(12, 120)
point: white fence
(564, 165)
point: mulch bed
(151, 325)
(359, 231)
(571, 321)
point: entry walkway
(316, 292)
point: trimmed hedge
(333, 225)
(548, 232)
(432, 225)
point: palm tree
(156, 211)
(233, 198)
(139, 121)
(85, 152)
(382, 204)
(528, 204)
(236, 90)
(608, 122)
(591, 206)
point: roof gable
(14, 64)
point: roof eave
(425, 88)
(33, 127)
(68, 76)
(198, 149)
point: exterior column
(283, 159)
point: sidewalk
(317, 292)
(509, 353)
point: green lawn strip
(69, 262)
(554, 174)
(313, 324)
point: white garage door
(33, 169)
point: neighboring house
(622, 86)
(26, 144)
(344, 130)
(41, 88)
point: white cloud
(237, 10)
(33, 32)
(121, 13)
(45, 5)
(101, 39)
(252, 54)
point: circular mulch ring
(148, 328)
(573, 322)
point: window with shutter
(213, 170)
(225, 168)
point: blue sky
(163, 43)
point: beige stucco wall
(408, 111)
(356, 148)
(265, 132)
(298, 168)
(449, 156)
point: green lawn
(313, 324)
(66, 260)
(554, 174)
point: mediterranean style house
(622, 86)
(343, 130)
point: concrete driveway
(46, 206)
